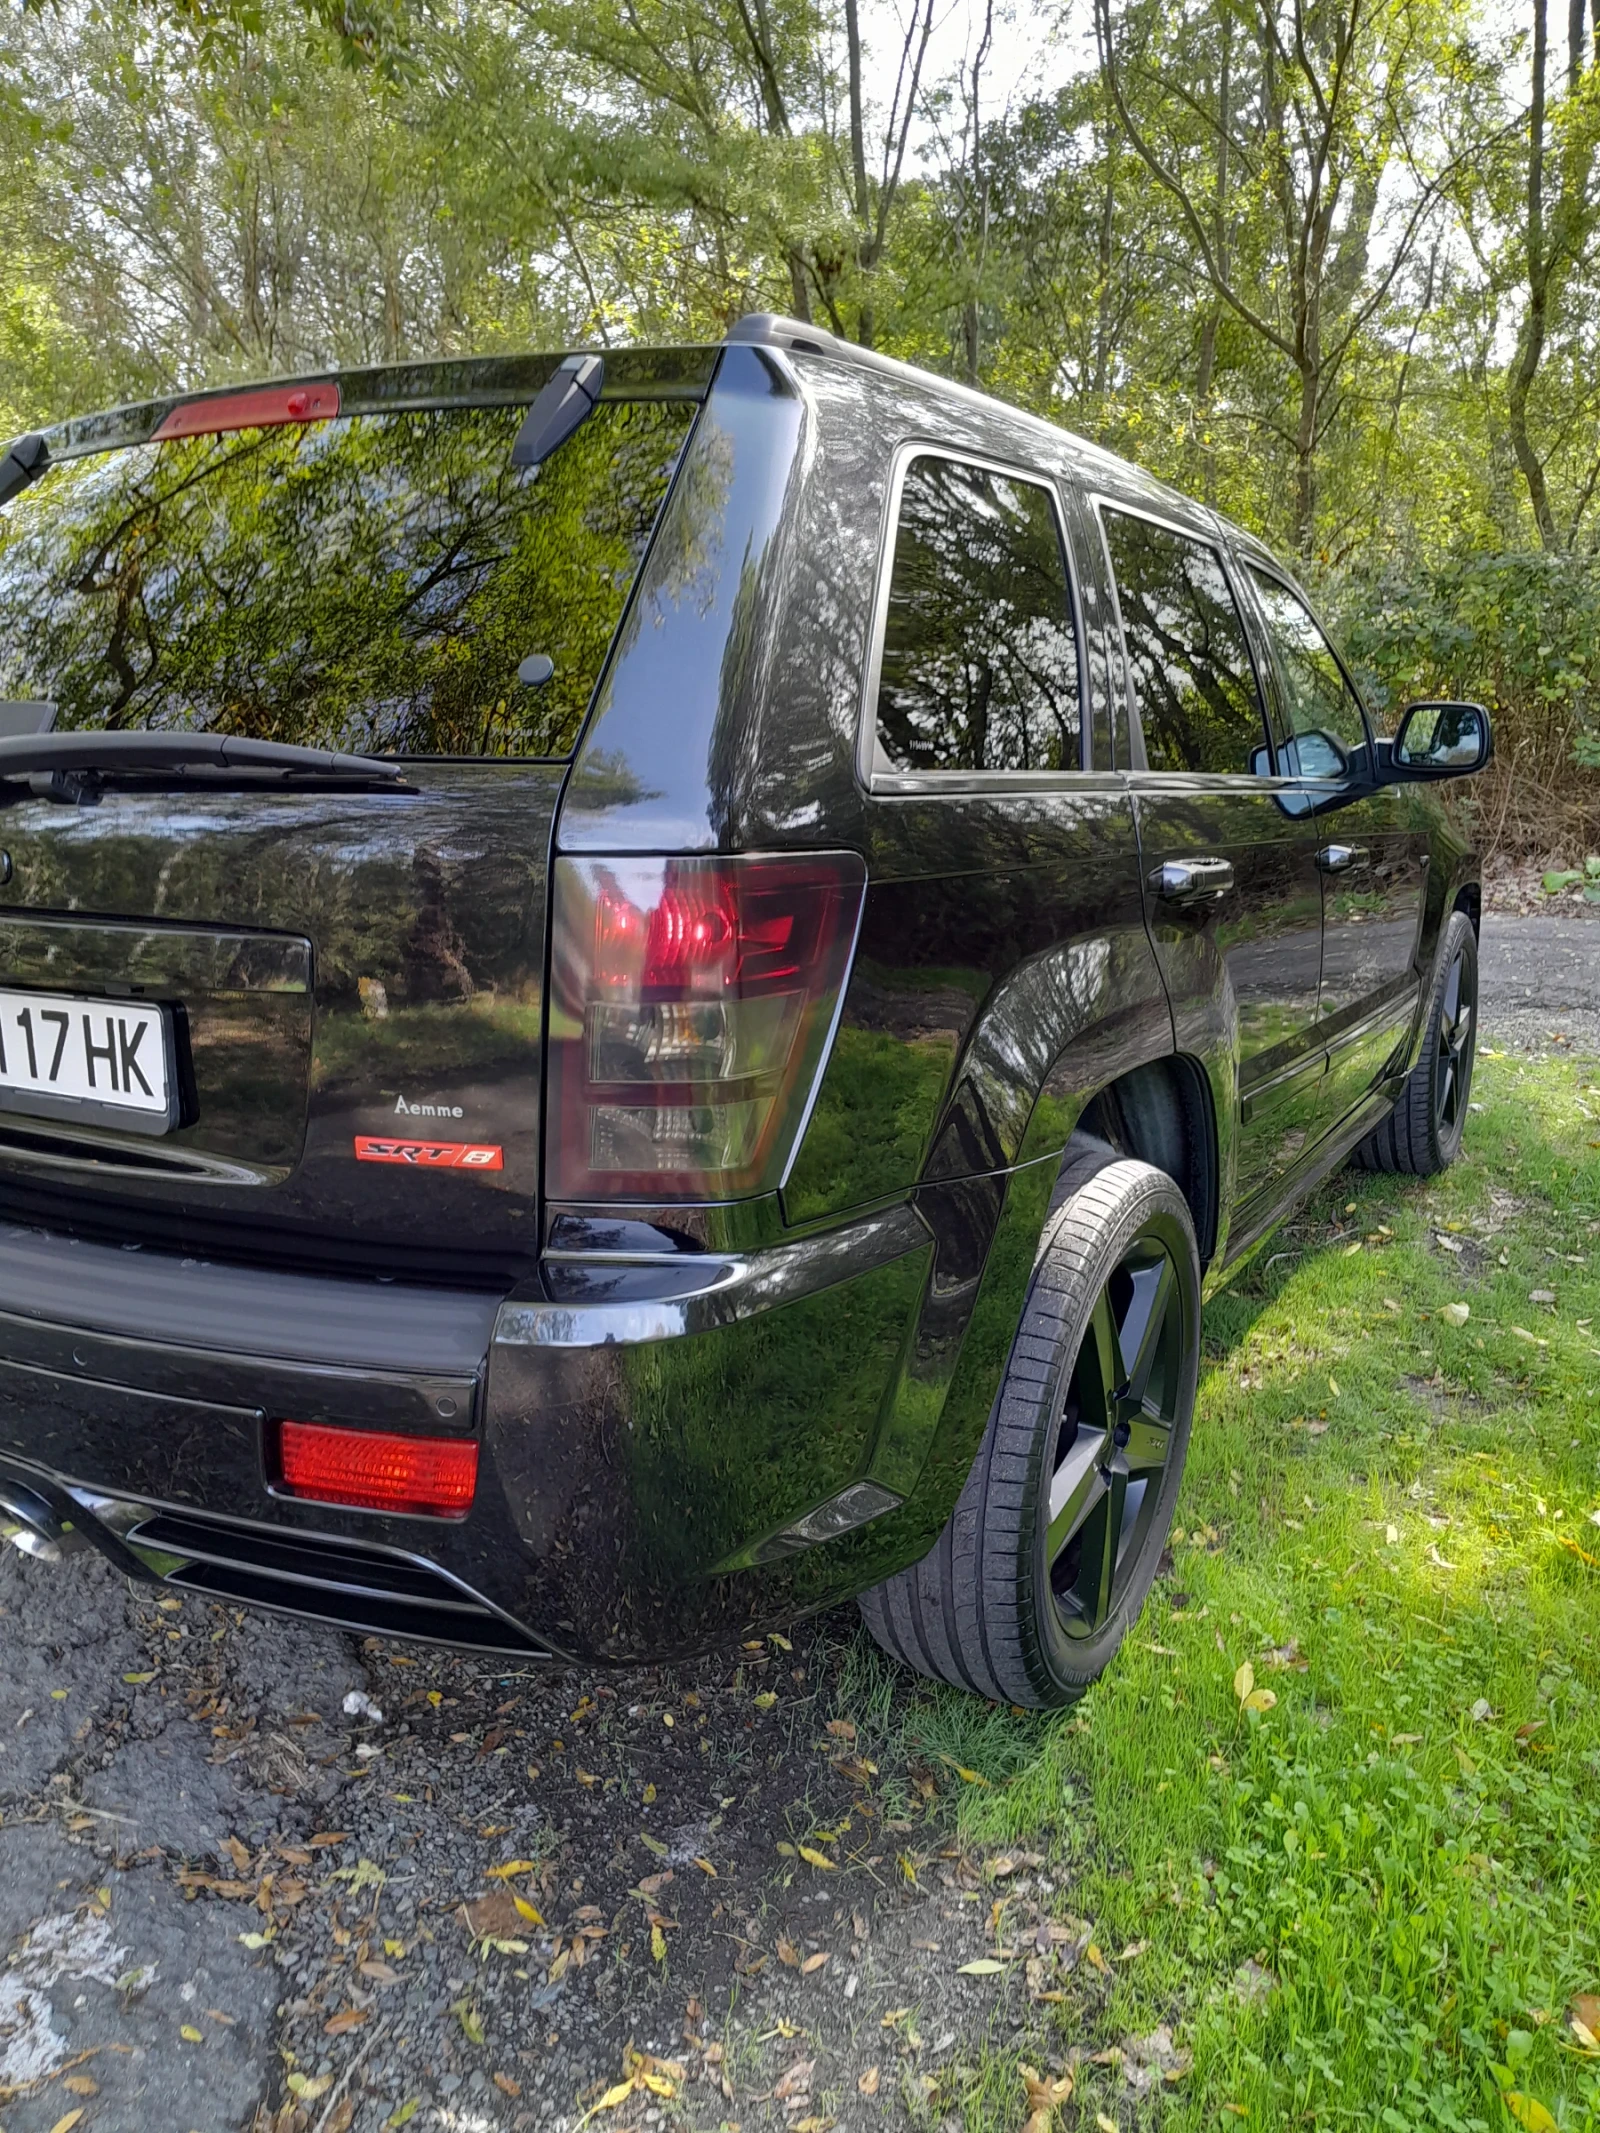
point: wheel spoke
(1461, 1029)
(1146, 1448)
(1140, 1340)
(1452, 991)
(1076, 1486)
(1091, 1595)
(1107, 1357)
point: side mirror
(1441, 740)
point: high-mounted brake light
(262, 408)
(377, 1470)
(691, 1006)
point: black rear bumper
(646, 1437)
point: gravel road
(235, 1899)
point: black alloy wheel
(1114, 1437)
(1455, 1044)
(1422, 1134)
(1055, 1541)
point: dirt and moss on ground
(1323, 1848)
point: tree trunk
(1535, 319)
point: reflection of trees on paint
(370, 583)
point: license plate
(99, 1062)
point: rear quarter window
(372, 583)
(979, 668)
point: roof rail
(770, 329)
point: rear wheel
(1422, 1134)
(1052, 1548)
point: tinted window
(980, 660)
(1198, 702)
(1321, 715)
(371, 583)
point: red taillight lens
(377, 1470)
(691, 1006)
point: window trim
(875, 772)
(1252, 566)
(1102, 501)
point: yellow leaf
(1260, 1700)
(527, 1910)
(405, 2112)
(868, 2083)
(658, 1944)
(1244, 1681)
(813, 1857)
(706, 1867)
(1333, 1387)
(982, 1966)
(782, 1643)
(82, 2084)
(649, 1795)
(1095, 1957)
(190, 2034)
(306, 2088)
(766, 1700)
(612, 2097)
(1530, 2112)
(657, 2084)
(1106, 2125)
(511, 1867)
(65, 2125)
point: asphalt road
(1539, 981)
(227, 1902)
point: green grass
(1387, 1516)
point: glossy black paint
(661, 1390)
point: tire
(1422, 1134)
(1007, 1604)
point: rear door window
(372, 583)
(980, 667)
(1193, 678)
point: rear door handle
(1192, 881)
(1340, 858)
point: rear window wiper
(72, 766)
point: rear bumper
(647, 1433)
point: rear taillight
(691, 1005)
(377, 1470)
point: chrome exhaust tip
(32, 1525)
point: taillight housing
(691, 1004)
(377, 1470)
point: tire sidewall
(1153, 1205)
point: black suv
(636, 993)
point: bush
(1520, 633)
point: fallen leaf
(840, 1728)
(339, 2119)
(1097, 1959)
(1260, 1700)
(65, 2125)
(351, 2018)
(868, 2083)
(813, 1962)
(706, 1867)
(379, 1973)
(658, 1944)
(1106, 2125)
(82, 2084)
(306, 2088)
(1044, 2097)
(469, 2018)
(1244, 1681)
(981, 1966)
(788, 1953)
(506, 2086)
(1530, 2112)
(766, 1700)
(796, 2082)
(1457, 1313)
(1391, 1534)
(526, 1910)
(511, 1868)
(1584, 2007)
(612, 2097)
(813, 1857)
(1333, 1387)
(652, 1844)
(404, 2114)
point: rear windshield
(371, 584)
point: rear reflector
(376, 1470)
(265, 407)
(692, 1005)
